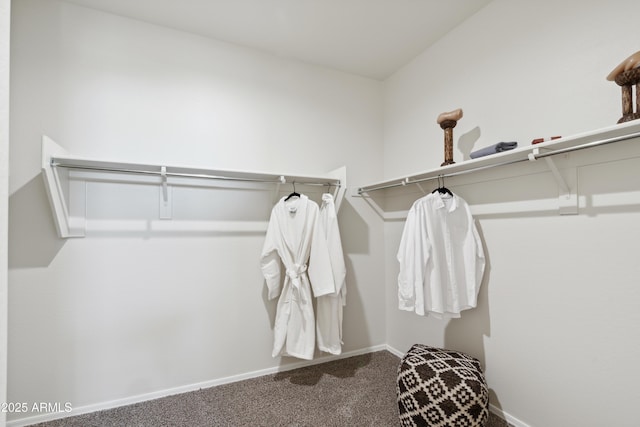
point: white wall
(127, 313)
(557, 321)
(5, 8)
(132, 312)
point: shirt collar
(439, 203)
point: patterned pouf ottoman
(441, 388)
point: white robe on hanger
(329, 307)
(295, 238)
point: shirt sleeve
(474, 262)
(480, 259)
(413, 255)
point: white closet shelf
(616, 133)
(55, 157)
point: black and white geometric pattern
(441, 388)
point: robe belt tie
(295, 273)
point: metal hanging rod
(280, 180)
(531, 156)
(588, 145)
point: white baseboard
(507, 417)
(395, 351)
(21, 422)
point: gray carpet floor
(356, 391)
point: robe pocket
(271, 272)
(405, 290)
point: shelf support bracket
(66, 224)
(567, 198)
(562, 184)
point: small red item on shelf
(539, 140)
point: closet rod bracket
(166, 200)
(163, 177)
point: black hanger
(441, 188)
(293, 194)
(444, 190)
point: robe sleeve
(320, 271)
(270, 261)
(334, 246)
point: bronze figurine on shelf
(447, 122)
(626, 75)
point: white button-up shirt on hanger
(441, 258)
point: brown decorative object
(626, 75)
(447, 122)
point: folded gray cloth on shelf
(495, 148)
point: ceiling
(371, 38)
